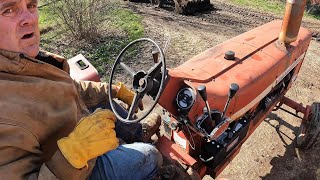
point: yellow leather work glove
(93, 136)
(126, 95)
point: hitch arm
(296, 106)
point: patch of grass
(273, 6)
(127, 21)
(315, 16)
(47, 19)
(131, 26)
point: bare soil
(270, 152)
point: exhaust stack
(292, 21)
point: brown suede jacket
(39, 104)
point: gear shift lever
(224, 124)
(232, 91)
(202, 91)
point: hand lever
(232, 91)
(155, 56)
(202, 91)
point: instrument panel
(185, 98)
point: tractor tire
(311, 129)
(157, 3)
(177, 7)
(189, 7)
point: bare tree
(313, 6)
(81, 17)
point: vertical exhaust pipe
(292, 21)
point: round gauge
(185, 98)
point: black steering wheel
(142, 81)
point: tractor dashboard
(185, 99)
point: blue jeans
(137, 161)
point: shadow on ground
(295, 164)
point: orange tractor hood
(259, 63)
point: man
(44, 117)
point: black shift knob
(203, 92)
(233, 90)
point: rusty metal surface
(292, 21)
(258, 63)
(174, 151)
(296, 106)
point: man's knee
(155, 155)
(152, 157)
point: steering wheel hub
(140, 82)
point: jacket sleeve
(20, 154)
(21, 157)
(94, 93)
(62, 169)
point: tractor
(182, 6)
(213, 102)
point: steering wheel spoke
(154, 70)
(135, 104)
(128, 69)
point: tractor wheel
(157, 3)
(178, 7)
(309, 132)
(189, 7)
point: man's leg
(129, 161)
(137, 161)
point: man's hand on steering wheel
(126, 95)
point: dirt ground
(270, 152)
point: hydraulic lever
(202, 91)
(155, 56)
(232, 91)
(223, 125)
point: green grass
(46, 19)
(273, 6)
(315, 16)
(122, 20)
(120, 26)
(127, 21)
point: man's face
(19, 29)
